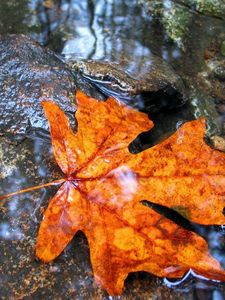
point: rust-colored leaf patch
(105, 184)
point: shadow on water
(99, 30)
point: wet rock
(213, 76)
(27, 163)
(28, 74)
(177, 15)
(205, 106)
(146, 82)
(216, 62)
(214, 8)
(174, 17)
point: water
(101, 30)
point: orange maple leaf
(104, 186)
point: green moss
(174, 17)
(176, 20)
(214, 8)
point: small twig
(33, 188)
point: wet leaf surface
(105, 183)
(22, 276)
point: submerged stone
(176, 16)
(215, 71)
(146, 82)
(214, 8)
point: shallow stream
(107, 30)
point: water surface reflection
(108, 30)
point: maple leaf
(104, 186)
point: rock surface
(148, 83)
(214, 8)
(177, 15)
(28, 74)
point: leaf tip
(47, 103)
(81, 97)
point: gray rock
(146, 82)
(28, 74)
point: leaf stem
(33, 188)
